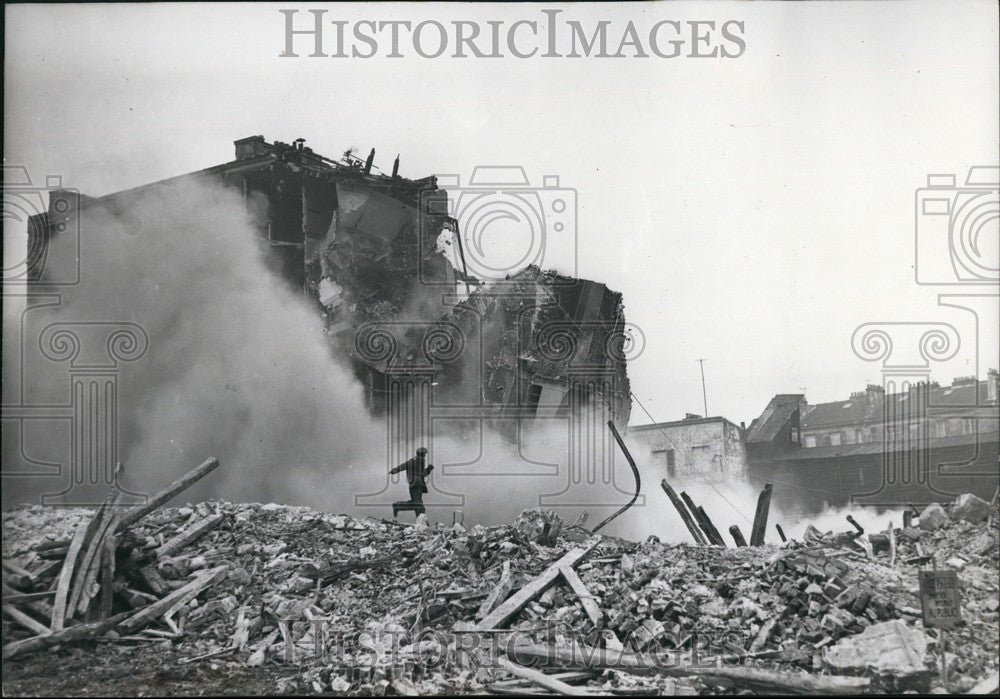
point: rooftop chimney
(251, 147)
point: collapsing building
(382, 259)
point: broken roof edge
(275, 151)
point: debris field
(308, 602)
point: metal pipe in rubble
(635, 473)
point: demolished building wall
(367, 249)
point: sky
(753, 211)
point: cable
(699, 472)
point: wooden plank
(891, 533)
(586, 599)
(154, 611)
(700, 519)
(189, 535)
(713, 533)
(182, 483)
(516, 602)
(25, 620)
(734, 531)
(567, 677)
(94, 546)
(498, 594)
(26, 597)
(682, 510)
(715, 670)
(66, 576)
(108, 575)
(80, 632)
(991, 685)
(18, 576)
(760, 516)
(541, 679)
(765, 632)
(89, 587)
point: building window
(835, 439)
(534, 395)
(666, 458)
(810, 440)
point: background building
(873, 416)
(695, 449)
(929, 443)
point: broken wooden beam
(498, 594)
(760, 516)
(26, 621)
(579, 657)
(586, 599)
(182, 483)
(990, 685)
(81, 632)
(713, 533)
(102, 518)
(18, 598)
(737, 535)
(891, 533)
(702, 524)
(781, 533)
(519, 599)
(179, 596)
(108, 572)
(540, 679)
(189, 535)
(765, 632)
(66, 575)
(682, 510)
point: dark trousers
(414, 504)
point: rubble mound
(320, 602)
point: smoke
(237, 364)
(238, 367)
(735, 503)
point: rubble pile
(364, 605)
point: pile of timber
(84, 587)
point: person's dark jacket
(416, 472)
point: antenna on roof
(704, 396)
